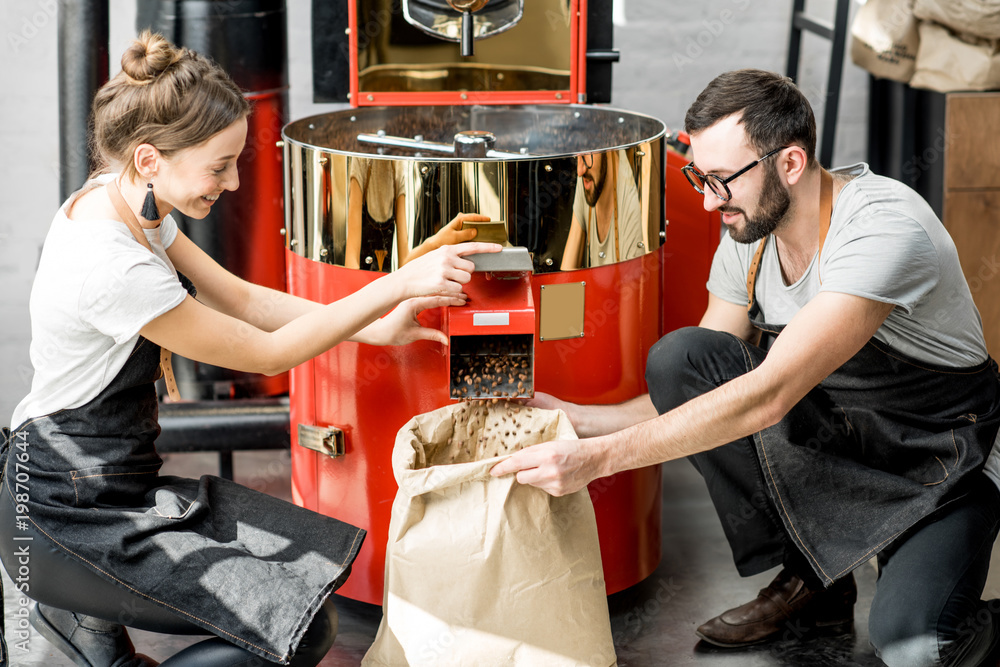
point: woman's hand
(442, 272)
(401, 326)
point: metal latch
(327, 440)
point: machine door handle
(327, 440)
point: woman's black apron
(376, 238)
(882, 443)
(245, 566)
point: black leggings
(91, 595)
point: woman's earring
(149, 210)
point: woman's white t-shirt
(95, 288)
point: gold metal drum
(367, 188)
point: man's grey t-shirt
(886, 244)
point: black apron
(247, 567)
(882, 443)
(376, 239)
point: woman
(108, 538)
(376, 208)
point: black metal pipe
(200, 426)
(468, 35)
(248, 39)
(83, 68)
(224, 427)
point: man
(607, 225)
(838, 382)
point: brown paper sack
(884, 38)
(481, 570)
(975, 17)
(946, 62)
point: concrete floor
(652, 623)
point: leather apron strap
(128, 217)
(825, 213)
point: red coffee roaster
(520, 78)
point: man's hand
(455, 232)
(559, 468)
(545, 401)
(594, 420)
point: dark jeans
(89, 594)
(927, 608)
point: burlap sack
(485, 571)
(884, 38)
(974, 17)
(947, 62)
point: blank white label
(490, 319)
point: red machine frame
(577, 78)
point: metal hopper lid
(512, 259)
(521, 133)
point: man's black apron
(243, 565)
(883, 442)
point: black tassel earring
(149, 210)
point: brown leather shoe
(786, 606)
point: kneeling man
(838, 383)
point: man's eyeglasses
(720, 186)
(588, 160)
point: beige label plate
(561, 311)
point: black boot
(88, 641)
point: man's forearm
(735, 410)
(596, 420)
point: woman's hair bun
(149, 55)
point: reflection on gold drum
(353, 203)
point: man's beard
(772, 206)
(591, 196)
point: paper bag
(884, 38)
(974, 17)
(485, 571)
(946, 62)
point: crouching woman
(113, 542)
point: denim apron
(376, 240)
(247, 567)
(880, 444)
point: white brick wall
(670, 50)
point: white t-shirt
(886, 244)
(95, 288)
(630, 237)
(381, 182)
